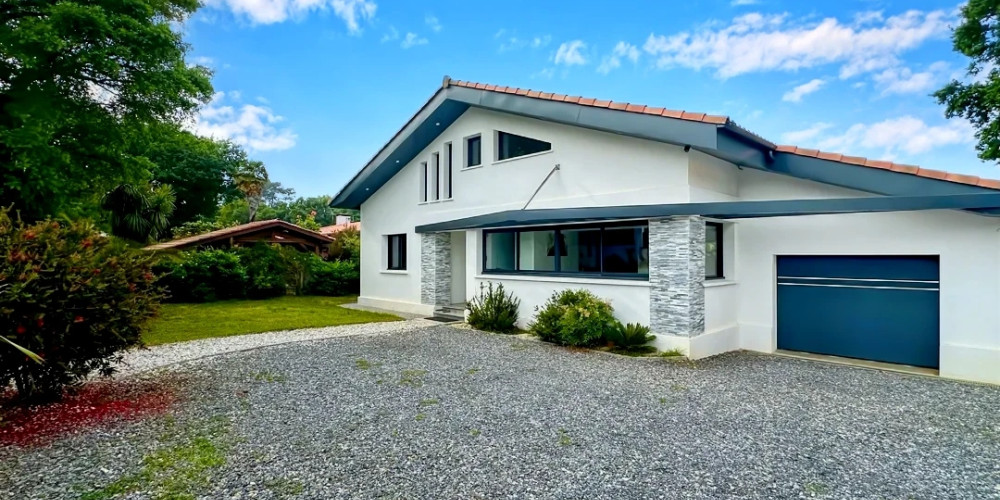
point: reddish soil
(89, 406)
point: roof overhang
(722, 140)
(718, 210)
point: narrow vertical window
(396, 258)
(713, 251)
(423, 181)
(447, 170)
(473, 151)
(436, 175)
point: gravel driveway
(444, 412)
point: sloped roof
(716, 135)
(333, 229)
(242, 229)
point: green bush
(267, 268)
(202, 276)
(575, 318)
(72, 296)
(346, 245)
(334, 278)
(630, 337)
(494, 310)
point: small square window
(396, 244)
(473, 151)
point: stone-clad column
(677, 276)
(435, 268)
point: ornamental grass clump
(494, 309)
(72, 296)
(574, 318)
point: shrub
(630, 337)
(266, 268)
(333, 278)
(72, 296)
(202, 276)
(346, 245)
(493, 310)
(575, 318)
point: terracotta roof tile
(725, 121)
(221, 234)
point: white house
(711, 235)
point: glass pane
(582, 251)
(500, 251)
(712, 251)
(396, 252)
(474, 149)
(626, 250)
(537, 251)
(512, 146)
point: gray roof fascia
(718, 210)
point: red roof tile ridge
(726, 121)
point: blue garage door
(882, 308)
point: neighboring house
(713, 236)
(334, 229)
(265, 231)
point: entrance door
(458, 267)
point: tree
(978, 100)
(199, 169)
(250, 180)
(139, 213)
(78, 81)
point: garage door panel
(877, 308)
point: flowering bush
(575, 318)
(70, 295)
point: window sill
(532, 155)
(712, 283)
(394, 271)
(638, 282)
(472, 167)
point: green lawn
(180, 322)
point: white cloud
(203, 61)
(756, 42)
(352, 12)
(514, 42)
(804, 135)
(433, 23)
(254, 127)
(739, 3)
(411, 40)
(614, 60)
(905, 134)
(569, 53)
(391, 35)
(901, 80)
(796, 94)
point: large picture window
(396, 258)
(620, 250)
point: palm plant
(139, 213)
(251, 180)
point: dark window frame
(448, 172)
(557, 249)
(424, 182)
(390, 253)
(436, 169)
(478, 139)
(719, 230)
(501, 142)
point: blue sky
(315, 87)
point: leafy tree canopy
(79, 79)
(978, 100)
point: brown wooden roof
(224, 235)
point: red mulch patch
(89, 406)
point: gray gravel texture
(442, 412)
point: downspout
(539, 188)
